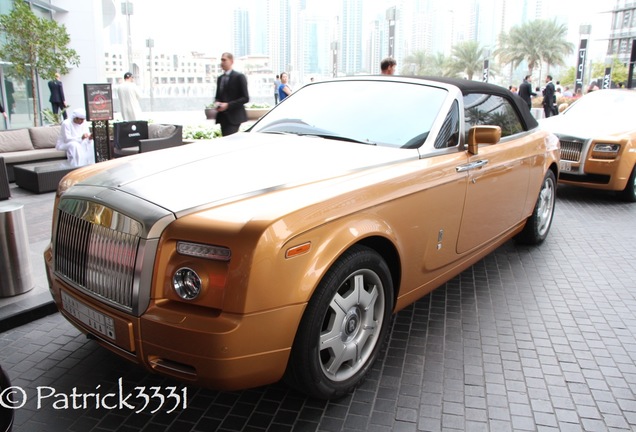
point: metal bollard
(15, 260)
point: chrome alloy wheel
(545, 205)
(351, 325)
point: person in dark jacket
(231, 96)
(525, 90)
(549, 98)
(57, 99)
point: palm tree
(440, 65)
(556, 47)
(415, 64)
(535, 42)
(468, 57)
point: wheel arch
(329, 242)
(555, 169)
(390, 254)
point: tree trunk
(35, 99)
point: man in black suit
(231, 96)
(549, 99)
(525, 90)
(57, 99)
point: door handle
(472, 165)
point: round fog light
(187, 283)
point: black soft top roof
(470, 87)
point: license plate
(89, 316)
(565, 166)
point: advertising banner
(485, 75)
(607, 78)
(632, 62)
(580, 69)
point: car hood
(203, 174)
(575, 126)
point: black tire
(629, 193)
(539, 223)
(343, 327)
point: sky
(200, 26)
(207, 26)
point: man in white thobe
(129, 96)
(76, 139)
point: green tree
(35, 46)
(535, 42)
(568, 78)
(556, 47)
(468, 58)
(619, 71)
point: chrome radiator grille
(96, 248)
(571, 150)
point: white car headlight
(605, 151)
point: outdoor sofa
(22, 146)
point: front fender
(303, 273)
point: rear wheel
(629, 193)
(343, 327)
(539, 223)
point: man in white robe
(76, 139)
(129, 96)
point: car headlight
(605, 151)
(186, 283)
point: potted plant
(210, 111)
(48, 117)
(256, 111)
(201, 132)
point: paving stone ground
(528, 339)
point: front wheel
(343, 327)
(539, 223)
(629, 193)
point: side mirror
(482, 135)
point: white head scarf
(79, 113)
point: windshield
(386, 113)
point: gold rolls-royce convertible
(598, 142)
(283, 251)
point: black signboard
(98, 99)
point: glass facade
(623, 30)
(17, 93)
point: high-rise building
(351, 43)
(242, 34)
(623, 30)
(279, 34)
